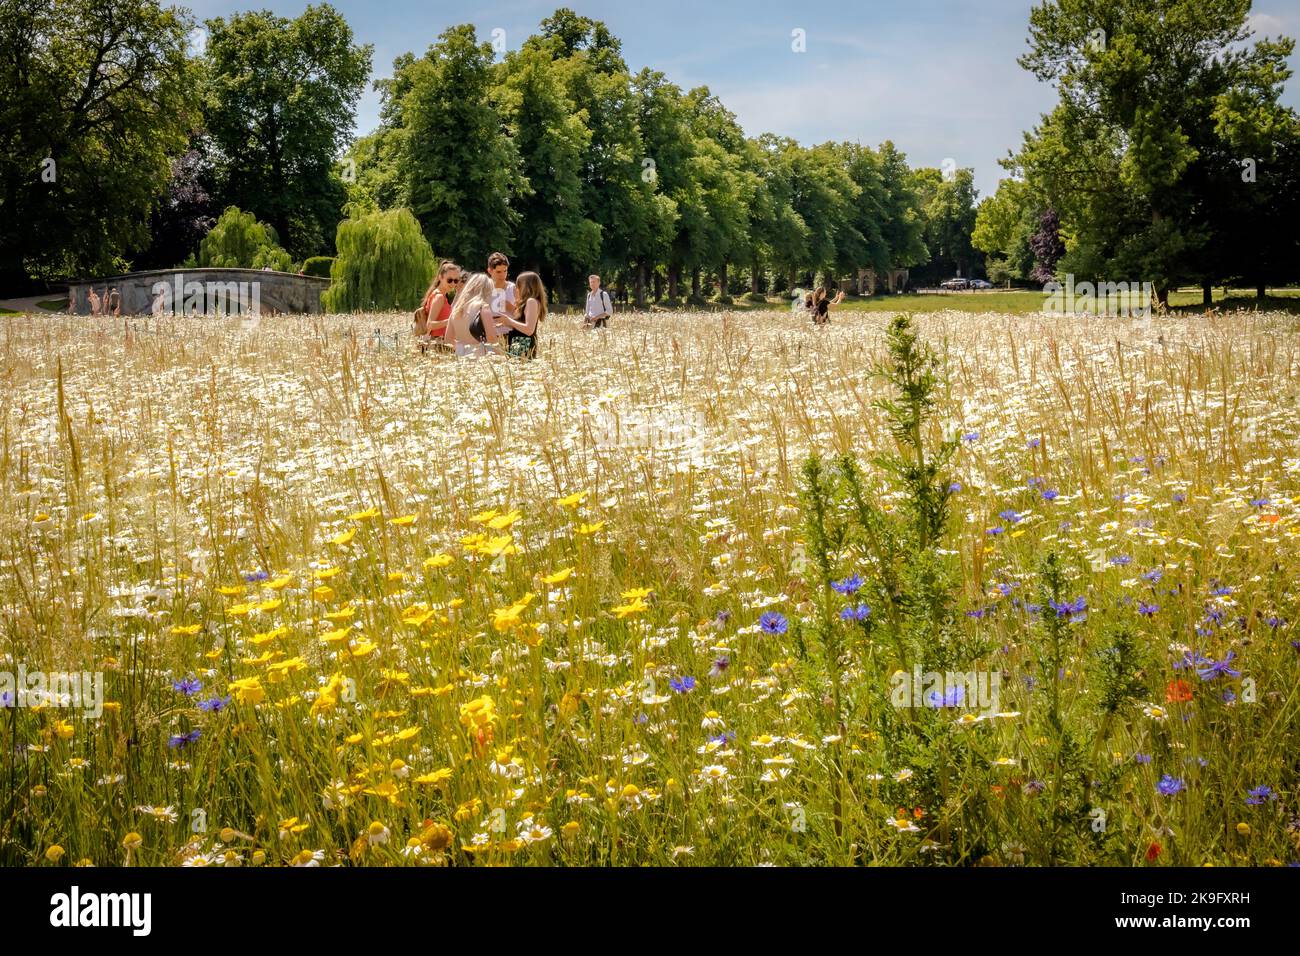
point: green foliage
(281, 96)
(239, 241)
(104, 91)
(384, 262)
(318, 266)
(1142, 157)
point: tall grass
(591, 609)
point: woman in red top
(432, 316)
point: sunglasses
(452, 281)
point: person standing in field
(599, 308)
(521, 340)
(822, 306)
(503, 290)
(433, 317)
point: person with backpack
(599, 308)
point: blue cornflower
(255, 576)
(773, 623)
(954, 487)
(1050, 494)
(1121, 560)
(1214, 669)
(188, 686)
(1260, 795)
(1034, 442)
(1154, 575)
(1078, 606)
(858, 612)
(978, 613)
(1258, 502)
(1009, 515)
(1179, 498)
(850, 585)
(722, 618)
(971, 437)
(1142, 758)
(1147, 610)
(953, 698)
(720, 666)
(215, 704)
(1170, 786)
(181, 740)
(6, 699)
(1191, 659)
(997, 530)
(683, 685)
(1274, 621)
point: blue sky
(938, 77)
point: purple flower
(850, 585)
(1142, 758)
(1213, 669)
(1147, 610)
(1154, 575)
(1121, 560)
(181, 740)
(1179, 498)
(720, 666)
(1191, 659)
(953, 698)
(256, 576)
(970, 437)
(188, 686)
(215, 705)
(1260, 795)
(859, 612)
(954, 487)
(1170, 786)
(997, 530)
(1258, 502)
(1009, 516)
(1034, 443)
(1075, 608)
(1050, 494)
(773, 623)
(683, 685)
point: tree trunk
(695, 283)
(659, 286)
(674, 278)
(1207, 294)
(640, 284)
(1261, 290)
(754, 276)
(723, 285)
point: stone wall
(204, 291)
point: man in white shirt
(599, 308)
(503, 290)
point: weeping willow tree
(239, 241)
(384, 262)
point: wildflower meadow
(700, 589)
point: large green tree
(95, 100)
(281, 99)
(1157, 99)
(458, 167)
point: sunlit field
(354, 604)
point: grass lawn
(54, 305)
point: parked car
(954, 284)
(980, 284)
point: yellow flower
(501, 522)
(132, 841)
(559, 577)
(342, 614)
(249, 690)
(478, 713)
(435, 778)
(344, 537)
(438, 561)
(364, 515)
(636, 594)
(54, 854)
(573, 500)
(232, 590)
(634, 607)
(484, 516)
(324, 574)
(187, 630)
(569, 705)
(322, 593)
(1243, 828)
(280, 583)
(591, 528)
(405, 521)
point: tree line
(124, 142)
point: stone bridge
(202, 292)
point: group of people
(109, 304)
(484, 313)
(817, 304)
